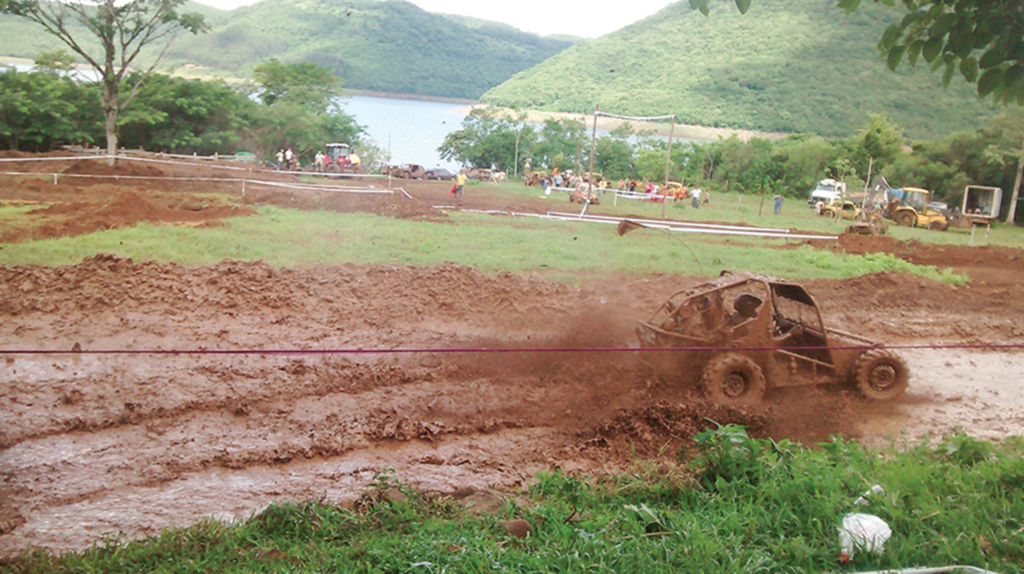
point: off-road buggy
(747, 333)
(584, 194)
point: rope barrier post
(54, 179)
(243, 187)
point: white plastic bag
(865, 532)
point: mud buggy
(584, 194)
(747, 333)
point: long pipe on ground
(678, 223)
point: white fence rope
(194, 164)
(243, 181)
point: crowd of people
(678, 192)
(289, 160)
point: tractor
(338, 155)
(743, 334)
(909, 207)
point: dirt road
(95, 445)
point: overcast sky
(543, 17)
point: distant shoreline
(417, 97)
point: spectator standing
(696, 197)
(280, 158)
(460, 183)
(778, 203)
(289, 158)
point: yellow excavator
(908, 206)
(913, 210)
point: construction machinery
(338, 161)
(743, 334)
(865, 221)
(907, 206)
(911, 209)
(841, 209)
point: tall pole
(1016, 187)
(668, 159)
(593, 144)
(863, 202)
(515, 164)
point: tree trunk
(110, 110)
(1016, 187)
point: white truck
(827, 191)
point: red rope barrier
(987, 346)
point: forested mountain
(787, 65)
(386, 46)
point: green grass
(284, 237)
(740, 505)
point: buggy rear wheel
(881, 375)
(733, 379)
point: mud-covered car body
(584, 194)
(759, 333)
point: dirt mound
(861, 244)
(102, 168)
(374, 296)
(394, 204)
(988, 264)
(124, 209)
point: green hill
(390, 46)
(787, 65)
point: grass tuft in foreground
(738, 504)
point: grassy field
(736, 505)
(285, 237)
(561, 250)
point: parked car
(439, 174)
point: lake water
(411, 130)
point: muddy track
(92, 444)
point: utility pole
(1016, 187)
(593, 144)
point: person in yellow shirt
(460, 183)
